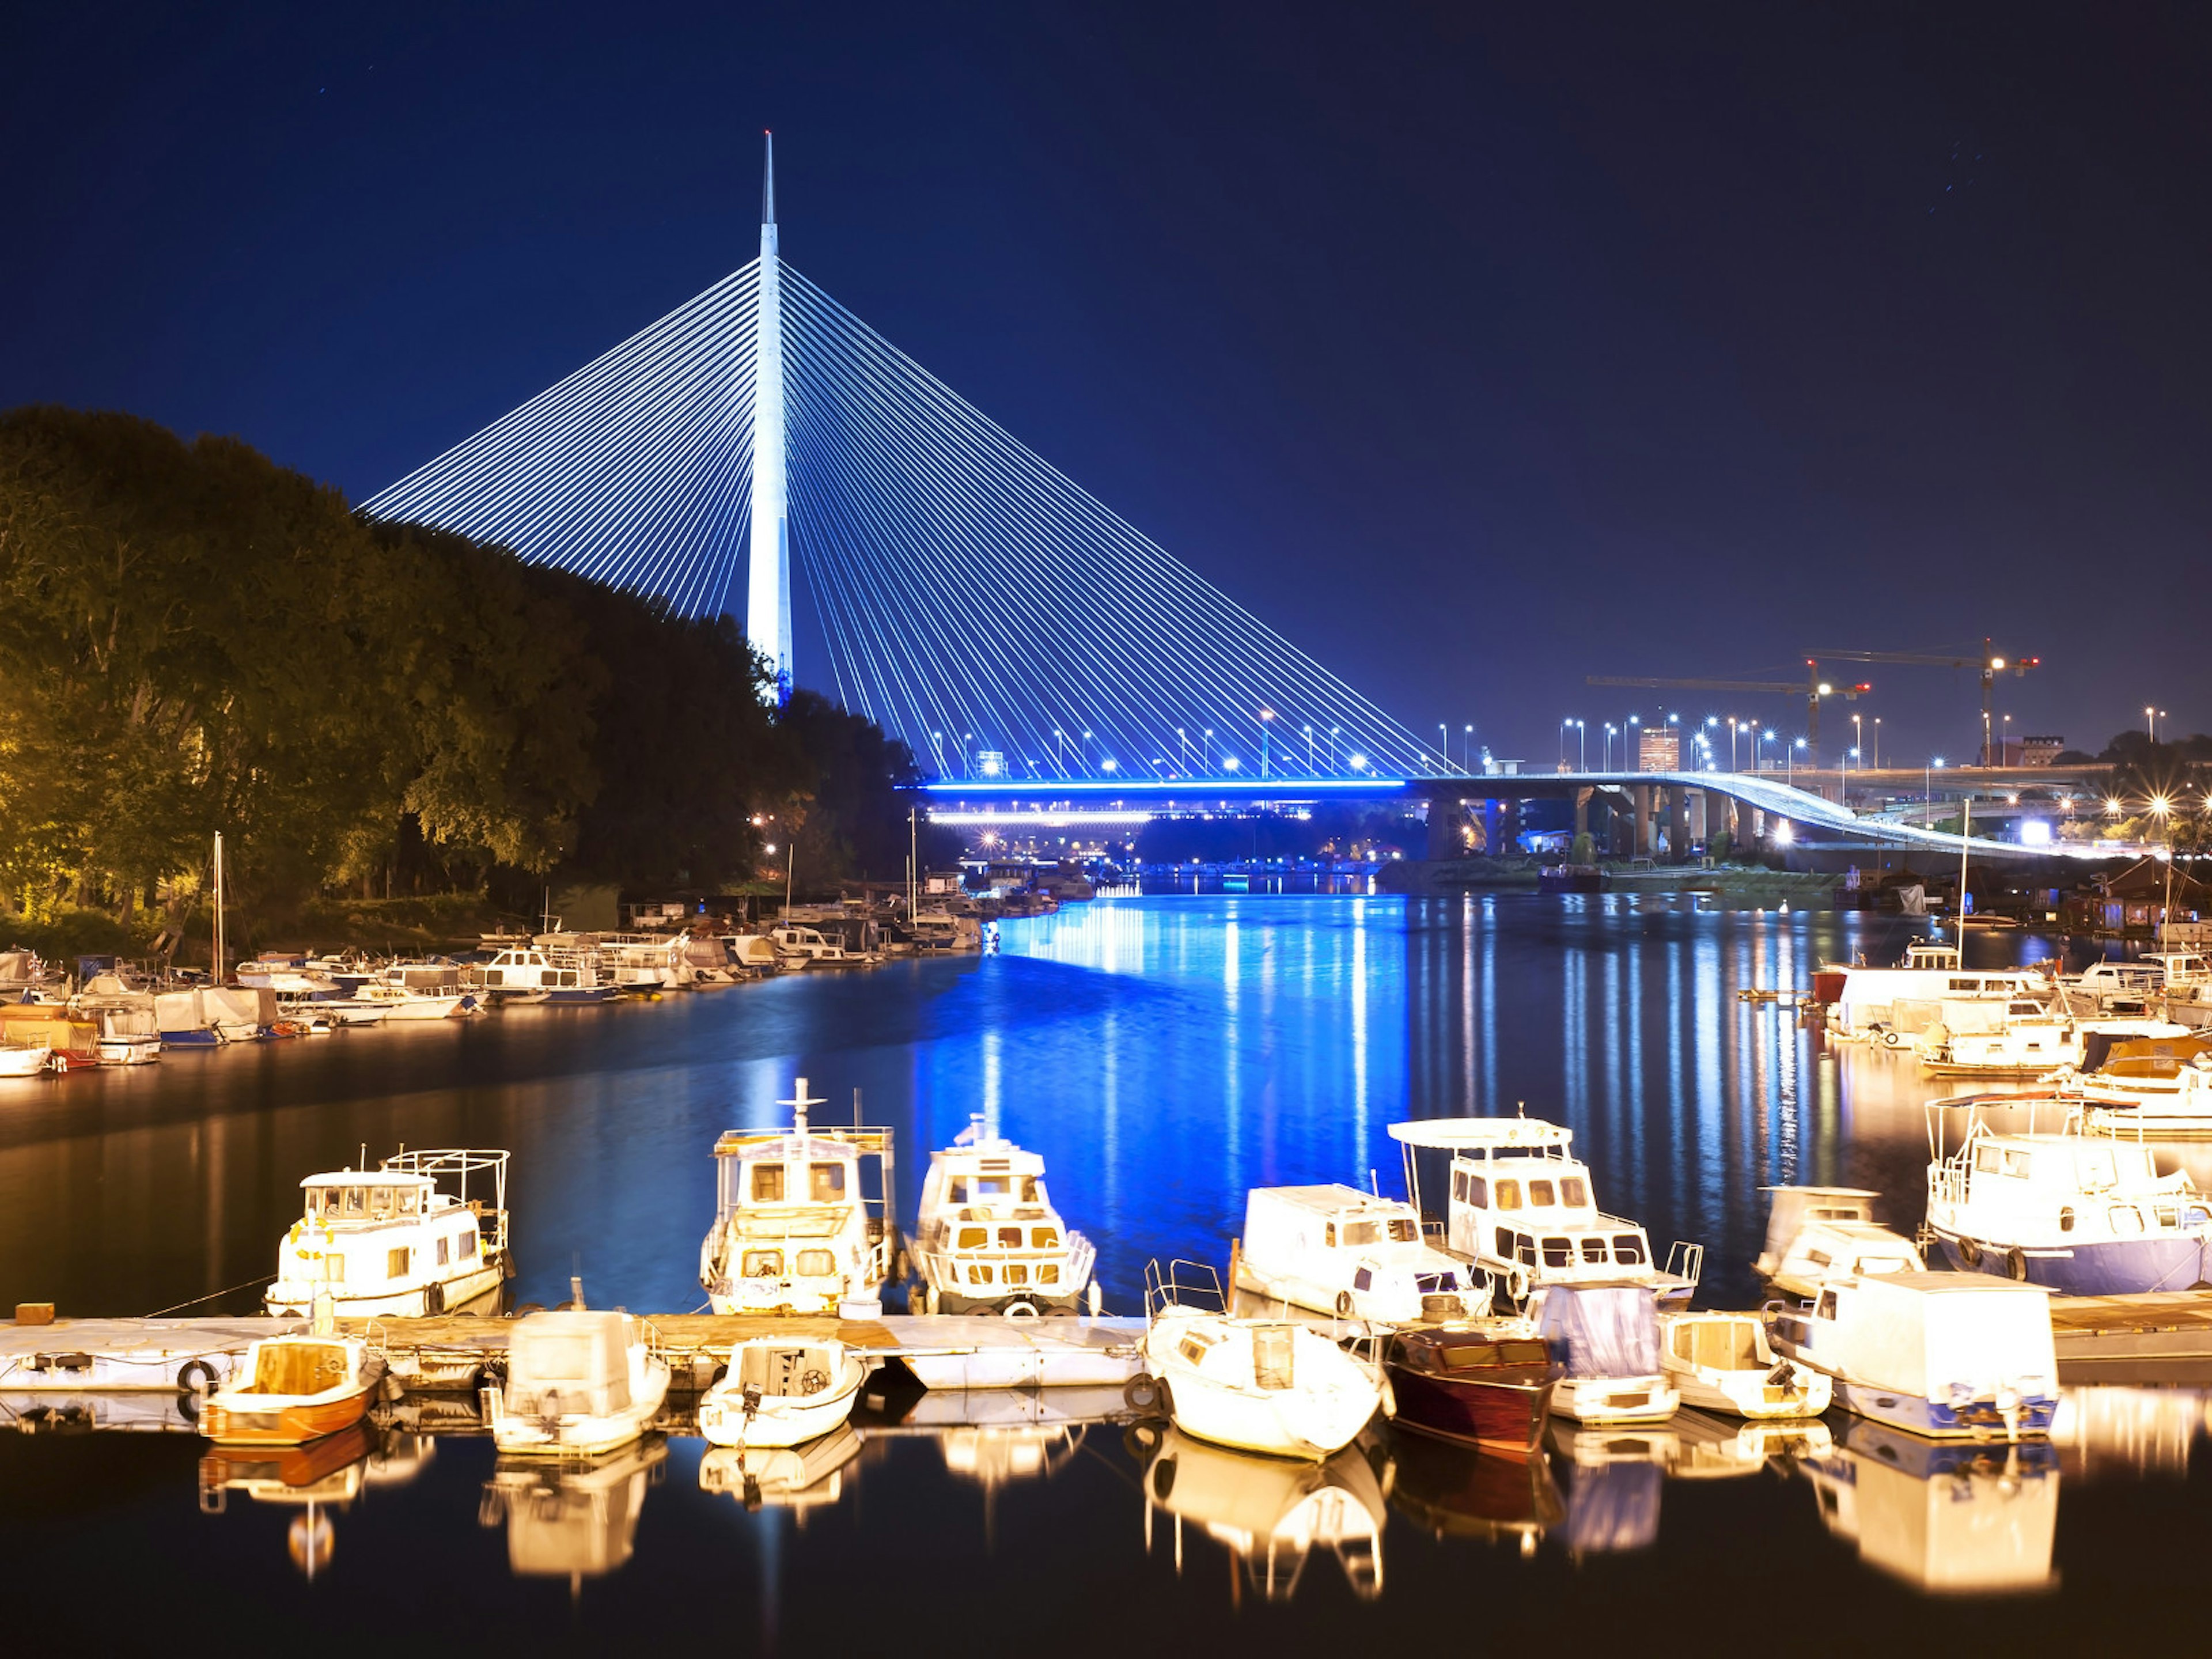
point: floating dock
(2155, 1336)
(453, 1351)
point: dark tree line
(194, 639)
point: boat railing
(1686, 1262)
(1182, 1284)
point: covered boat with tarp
(1607, 1338)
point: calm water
(1164, 1054)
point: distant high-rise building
(1658, 748)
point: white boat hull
(1616, 1400)
(295, 1300)
(578, 1434)
(780, 1420)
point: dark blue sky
(1476, 348)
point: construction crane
(1989, 663)
(1813, 688)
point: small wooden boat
(1723, 1363)
(1479, 1387)
(296, 1388)
(779, 1392)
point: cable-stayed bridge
(975, 602)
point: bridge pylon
(767, 573)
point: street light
(1610, 729)
(1228, 763)
(1928, 789)
(1334, 733)
(1758, 755)
(1877, 742)
(1310, 748)
(1182, 747)
(2150, 720)
(1582, 748)
(1789, 764)
(1734, 765)
(1467, 748)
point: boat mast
(1965, 816)
(218, 907)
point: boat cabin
(1814, 1234)
(573, 1363)
(1339, 1250)
(529, 969)
(987, 1232)
(1520, 1205)
(388, 1241)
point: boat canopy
(1477, 1134)
(2115, 1054)
(583, 1357)
(1602, 1330)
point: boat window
(1044, 1238)
(1526, 1250)
(1463, 1356)
(1029, 1190)
(1401, 1229)
(321, 1201)
(468, 1245)
(445, 1251)
(1478, 1192)
(495, 976)
(1363, 1280)
(1819, 1258)
(763, 1264)
(817, 1264)
(826, 1182)
(1505, 1243)
(1329, 1235)
(1194, 1351)
(2066, 1219)
(1459, 1185)
(1010, 1238)
(1594, 1249)
(978, 1274)
(1016, 1274)
(1048, 1274)
(1628, 1249)
(1523, 1353)
(993, 1186)
(1273, 1348)
(355, 1199)
(2019, 1163)
(1573, 1191)
(1363, 1232)
(974, 1238)
(959, 1191)
(1559, 1253)
(407, 1197)
(1827, 1307)
(1541, 1195)
(1988, 1160)
(334, 1268)
(2126, 1218)
(767, 1183)
(396, 1262)
(1508, 1195)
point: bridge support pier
(1639, 821)
(1446, 820)
(1677, 823)
(1582, 811)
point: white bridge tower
(767, 583)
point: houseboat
(1521, 1207)
(1339, 1250)
(796, 1231)
(387, 1240)
(988, 1240)
(1948, 1356)
(535, 973)
(1262, 1385)
(2085, 1215)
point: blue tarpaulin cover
(1602, 1330)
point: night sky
(1477, 349)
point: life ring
(1344, 1305)
(1146, 1394)
(1970, 1253)
(1892, 1039)
(195, 1374)
(2016, 1264)
(1516, 1283)
(1020, 1308)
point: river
(1164, 1054)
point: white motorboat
(1263, 1385)
(1944, 1355)
(2033, 1039)
(646, 962)
(2085, 1215)
(1815, 1234)
(987, 1238)
(1607, 1337)
(1269, 1514)
(1893, 1006)
(782, 1392)
(2105, 986)
(1520, 1206)
(400, 1002)
(287, 975)
(796, 1231)
(578, 1383)
(1722, 1361)
(387, 1242)
(1339, 1250)
(23, 1059)
(798, 946)
(2147, 1088)
(130, 1032)
(750, 954)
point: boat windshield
(1398, 1230)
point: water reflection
(1945, 1518)
(1270, 1513)
(1457, 1491)
(573, 1521)
(796, 1477)
(2125, 1431)
(1614, 1477)
(319, 1480)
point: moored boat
(1722, 1361)
(1607, 1338)
(292, 1388)
(1490, 1387)
(1262, 1385)
(1818, 1234)
(780, 1392)
(387, 1242)
(578, 1383)
(987, 1238)
(1336, 1249)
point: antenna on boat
(799, 1102)
(856, 1108)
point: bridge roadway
(1685, 802)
